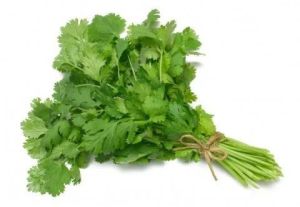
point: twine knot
(209, 150)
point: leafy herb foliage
(125, 99)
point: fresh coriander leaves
(125, 99)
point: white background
(249, 79)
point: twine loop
(209, 150)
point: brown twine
(209, 150)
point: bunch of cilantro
(125, 99)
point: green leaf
(74, 31)
(176, 64)
(148, 53)
(70, 94)
(64, 128)
(206, 125)
(35, 148)
(155, 108)
(120, 104)
(33, 127)
(36, 180)
(187, 155)
(48, 176)
(152, 19)
(75, 174)
(121, 46)
(78, 120)
(140, 31)
(105, 136)
(187, 41)
(166, 34)
(73, 42)
(93, 63)
(75, 135)
(105, 28)
(188, 74)
(190, 40)
(134, 152)
(103, 157)
(83, 159)
(52, 137)
(42, 110)
(66, 149)
(181, 119)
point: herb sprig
(126, 99)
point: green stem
(74, 66)
(118, 70)
(88, 84)
(248, 164)
(114, 88)
(160, 66)
(132, 68)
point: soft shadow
(268, 184)
(139, 166)
(187, 162)
(196, 64)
